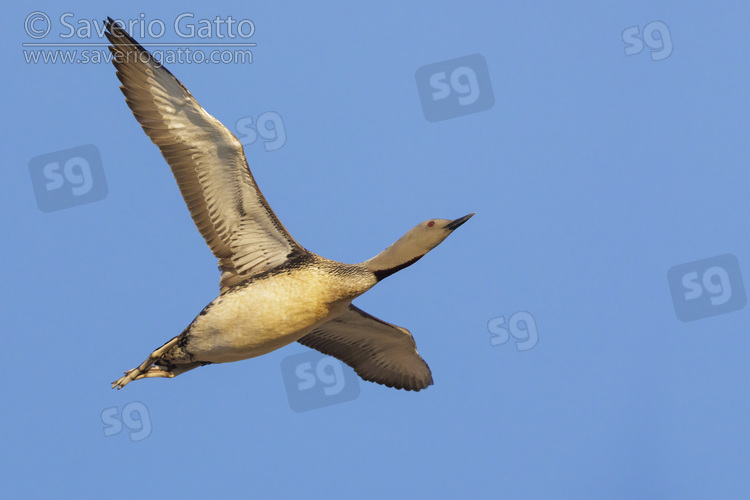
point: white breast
(270, 313)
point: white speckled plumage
(273, 291)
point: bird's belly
(259, 319)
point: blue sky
(587, 329)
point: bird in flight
(273, 291)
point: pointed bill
(453, 225)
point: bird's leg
(146, 369)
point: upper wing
(208, 163)
(378, 351)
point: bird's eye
(431, 223)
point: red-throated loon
(273, 291)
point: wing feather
(378, 351)
(208, 162)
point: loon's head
(413, 245)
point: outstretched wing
(208, 163)
(378, 351)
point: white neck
(401, 254)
